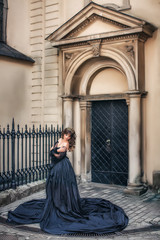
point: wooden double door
(109, 142)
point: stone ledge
(12, 195)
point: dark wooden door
(109, 142)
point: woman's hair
(72, 140)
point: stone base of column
(85, 177)
(135, 189)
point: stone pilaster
(67, 112)
(68, 119)
(77, 128)
(85, 140)
(135, 186)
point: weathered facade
(90, 53)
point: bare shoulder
(62, 143)
(60, 140)
(66, 144)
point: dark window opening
(3, 20)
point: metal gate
(109, 142)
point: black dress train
(63, 211)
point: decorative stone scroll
(130, 49)
(95, 48)
(68, 57)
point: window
(3, 20)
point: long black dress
(63, 211)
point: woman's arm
(62, 149)
(59, 152)
(59, 155)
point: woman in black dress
(64, 211)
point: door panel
(109, 142)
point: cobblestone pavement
(143, 212)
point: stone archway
(132, 97)
(122, 60)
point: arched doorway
(105, 78)
(79, 94)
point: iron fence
(24, 154)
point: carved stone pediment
(96, 22)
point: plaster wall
(70, 8)
(118, 2)
(15, 95)
(109, 81)
(15, 75)
(149, 11)
(18, 30)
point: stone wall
(44, 19)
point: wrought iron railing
(24, 154)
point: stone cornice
(125, 95)
(137, 32)
(135, 94)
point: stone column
(85, 140)
(135, 186)
(67, 112)
(68, 119)
(77, 128)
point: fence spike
(13, 183)
(12, 123)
